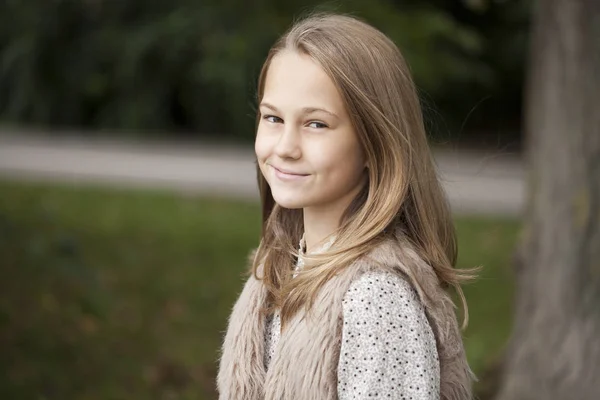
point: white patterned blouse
(388, 349)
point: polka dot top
(388, 349)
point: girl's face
(306, 147)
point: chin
(291, 205)
(290, 202)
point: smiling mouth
(289, 172)
(283, 174)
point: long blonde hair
(402, 188)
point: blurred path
(475, 183)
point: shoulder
(379, 283)
(386, 305)
(374, 292)
(406, 268)
(396, 255)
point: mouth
(285, 174)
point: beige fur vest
(306, 359)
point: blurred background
(127, 184)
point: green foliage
(488, 243)
(190, 65)
(111, 295)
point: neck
(322, 221)
(318, 226)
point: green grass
(487, 243)
(112, 294)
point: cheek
(350, 171)
(344, 164)
(261, 146)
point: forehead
(294, 80)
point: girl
(347, 296)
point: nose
(288, 145)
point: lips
(286, 175)
(288, 172)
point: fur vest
(305, 363)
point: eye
(272, 119)
(317, 125)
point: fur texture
(306, 360)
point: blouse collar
(324, 247)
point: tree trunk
(554, 351)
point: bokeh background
(127, 193)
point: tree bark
(554, 351)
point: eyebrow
(305, 110)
